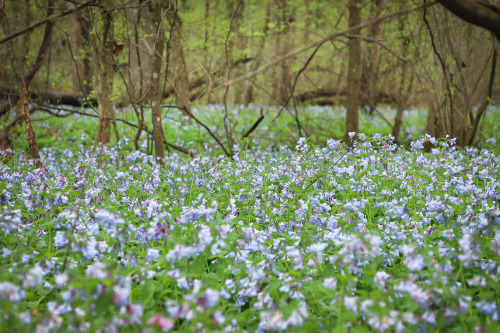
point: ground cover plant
(319, 122)
(369, 238)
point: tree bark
(23, 82)
(176, 60)
(480, 13)
(84, 29)
(105, 91)
(404, 84)
(371, 73)
(52, 97)
(354, 72)
(249, 94)
(286, 77)
(155, 90)
(241, 46)
(140, 111)
(38, 61)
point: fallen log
(52, 97)
(56, 97)
(330, 94)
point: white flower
(61, 279)
(211, 297)
(25, 317)
(11, 292)
(351, 303)
(218, 318)
(59, 240)
(429, 317)
(477, 281)
(318, 248)
(97, 270)
(121, 295)
(381, 278)
(152, 254)
(34, 276)
(330, 283)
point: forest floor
(291, 235)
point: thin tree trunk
(241, 45)
(23, 82)
(354, 72)
(206, 32)
(177, 60)
(75, 38)
(482, 109)
(285, 82)
(39, 58)
(369, 84)
(249, 91)
(28, 17)
(105, 93)
(155, 90)
(403, 94)
(84, 27)
(140, 114)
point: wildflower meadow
(373, 237)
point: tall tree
(155, 8)
(354, 72)
(405, 84)
(249, 93)
(104, 76)
(176, 57)
(464, 82)
(370, 74)
(84, 30)
(23, 82)
(477, 12)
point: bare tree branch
(255, 125)
(319, 42)
(50, 18)
(481, 13)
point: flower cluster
(372, 237)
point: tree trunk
(23, 82)
(477, 12)
(285, 82)
(241, 45)
(354, 72)
(404, 84)
(155, 90)
(28, 17)
(84, 30)
(370, 76)
(249, 95)
(140, 112)
(176, 60)
(39, 58)
(105, 93)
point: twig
(179, 148)
(50, 18)
(321, 41)
(219, 142)
(255, 125)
